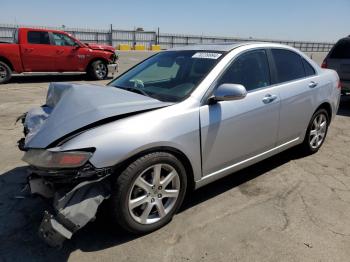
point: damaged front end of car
(76, 192)
(69, 177)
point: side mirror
(76, 46)
(228, 92)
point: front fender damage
(73, 206)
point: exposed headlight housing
(55, 159)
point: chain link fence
(115, 37)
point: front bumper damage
(113, 66)
(112, 69)
(76, 197)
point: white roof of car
(224, 46)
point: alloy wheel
(318, 131)
(101, 70)
(154, 193)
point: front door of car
(233, 132)
(67, 56)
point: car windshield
(169, 76)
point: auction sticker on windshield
(206, 55)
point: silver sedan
(175, 122)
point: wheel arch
(6, 61)
(94, 60)
(327, 106)
(171, 150)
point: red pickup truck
(42, 50)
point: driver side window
(250, 69)
(62, 40)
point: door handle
(313, 84)
(28, 50)
(269, 98)
(59, 52)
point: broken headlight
(51, 159)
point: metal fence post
(111, 35)
(157, 37)
(134, 38)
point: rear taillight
(324, 64)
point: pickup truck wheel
(148, 192)
(5, 72)
(98, 70)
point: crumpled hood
(70, 107)
(101, 47)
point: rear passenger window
(251, 70)
(341, 50)
(38, 37)
(309, 70)
(289, 65)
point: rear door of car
(37, 52)
(297, 85)
(339, 59)
(232, 132)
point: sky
(311, 20)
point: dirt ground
(286, 208)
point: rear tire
(5, 73)
(141, 203)
(316, 132)
(98, 70)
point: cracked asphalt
(286, 208)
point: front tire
(316, 132)
(5, 73)
(98, 70)
(148, 193)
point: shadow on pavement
(234, 180)
(344, 106)
(26, 79)
(21, 214)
